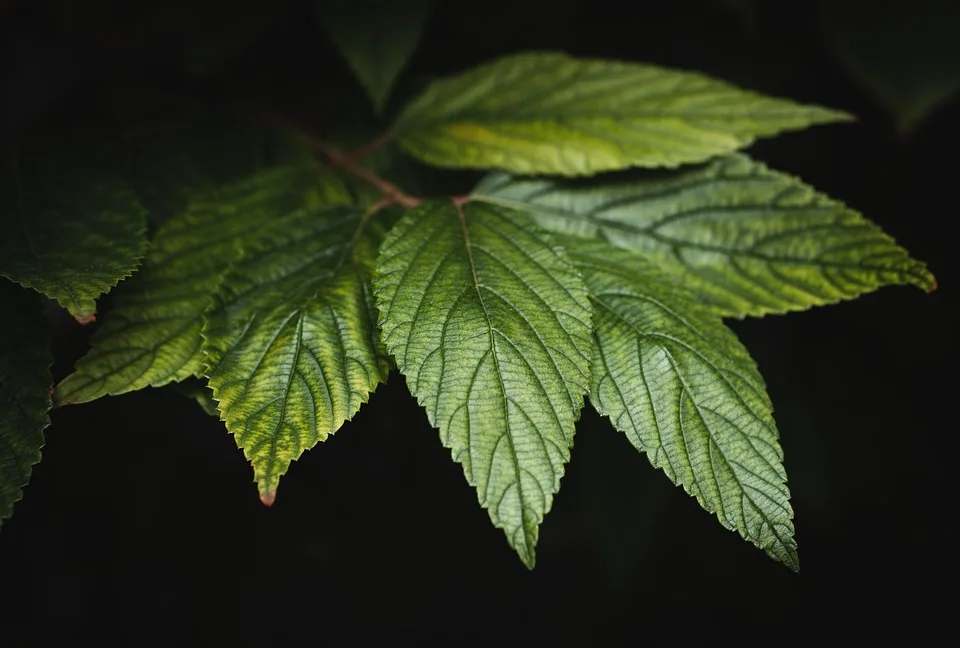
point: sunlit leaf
(291, 341)
(549, 113)
(746, 240)
(683, 389)
(490, 325)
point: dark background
(142, 524)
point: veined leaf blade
(683, 390)
(490, 325)
(550, 113)
(745, 239)
(152, 336)
(290, 339)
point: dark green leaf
(69, 230)
(376, 38)
(24, 391)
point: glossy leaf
(69, 231)
(490, 325)
(291, 340)
(25, 382)
(746, 240)
(549, 113)
(683, 389)
(152, 336)
(376, 38)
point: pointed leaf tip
(85, 318)
(490, 324)
(269, 497)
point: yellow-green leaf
(25, 381)
(291, 341)
(550, 113)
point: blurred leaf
(68, 228)
(375, 37)
(550, 113)
(905, 53)
(24, 391)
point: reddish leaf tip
(269, 497)
(86, 318)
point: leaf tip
(268, 497)
(85, 317)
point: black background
(142, 523)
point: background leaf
(152, 336)
(376, 38)
(490, 325)
(746, 240)
(291, 340)
(551, 113)
(905, 53)
(25, 381)
(70, 230)
(683, 389)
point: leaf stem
(349, 164)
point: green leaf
(746, 240)
(376, 38)
(200, 152)
(905, 53)
(490, 324)
(69, 230)
(24, 391)
(551, 113)
(291, 340)
(683, 389)
(198, 391)
(152, 336)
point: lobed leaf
(490, 325)
(291, 342)
(550, 113)
(25, 381)
(152, 336)
(683, 389)
(376, 38)
(744, 239)
(69, 232)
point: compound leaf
(549, 113)
(376, 38)
(24, 391)
(291, 341)
(746, 240)
(69, 230)
(683, 389)
(152, 336)
(490, 324)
